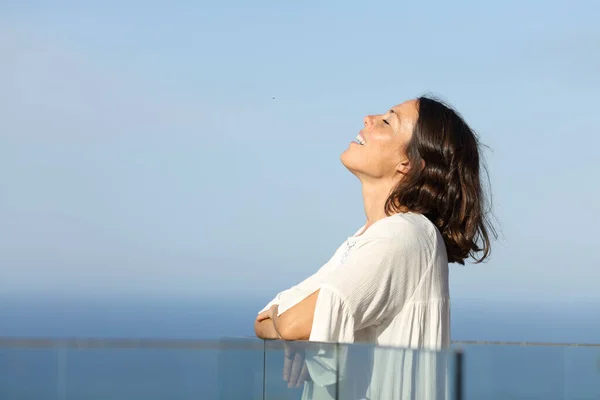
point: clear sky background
(142, 152)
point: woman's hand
(264, 315)
(295, 372)
(264, 326)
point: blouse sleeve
(289, 297)
(292, 296)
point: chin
(349, 161)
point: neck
(374, 197)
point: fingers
(268, 313)
(304, 375)
(296, 370)
(288, 360)
(263, 315)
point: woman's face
(380, 149)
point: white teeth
(360, 140)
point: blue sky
(142, 152)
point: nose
(368, 121)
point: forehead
(407, 112)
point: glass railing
(505, 370)
(253, 369)
(124, 369)
(225, 369)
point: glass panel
(513, 372)
(30, 373)
(241, 370)
(130, 369)
(582, 372)
(529, 371)
(150, 373)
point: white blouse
(387, 286)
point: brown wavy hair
(446, 186)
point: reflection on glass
(287, 369)
(317, 371)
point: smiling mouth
(360, 140)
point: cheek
(391, 151)
(381, 160)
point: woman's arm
(296, 323)
(293, 324)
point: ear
(403, 166)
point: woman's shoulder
(403, 225)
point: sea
(500, 372)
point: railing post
(337, 371)
(458, 375)
(264, 388)
(62, 372)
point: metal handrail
(195, 344)
(514, 343)
(129, 343)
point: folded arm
(296, 323)
(293, 324)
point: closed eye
(386, 122)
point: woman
(419, 167)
